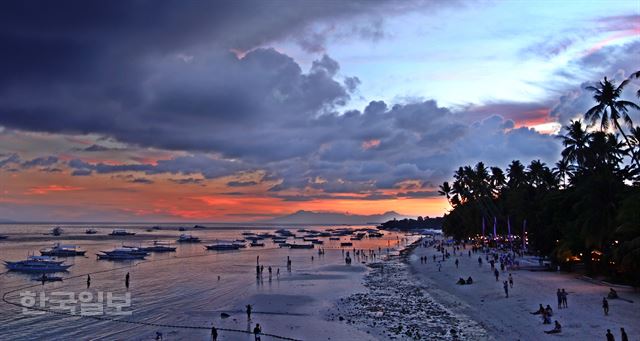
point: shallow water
(182, 289)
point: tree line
(583, 209)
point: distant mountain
(309, 217)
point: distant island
(328, 218)
(413, 224)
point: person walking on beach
(457, 262)
(126, 280)
(559, 295)
(248, 311)
(605, 305)
(564, 299)
(439, 266)
(610, 336)
(214, 333)
(505, 285)
(511, 281)
(497, 274)
(257, 331)
(479, 261)
(88, 281)
(623, 335)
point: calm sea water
(182, 288)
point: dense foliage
(410, 224)
(585, 208)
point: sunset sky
(248, 110)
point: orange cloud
(40, 190)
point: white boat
(121, 232)
(37, 264)
(60, 250)
(222, 247)
(123, 253)
(187, 238)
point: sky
(249, 110)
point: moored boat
(158, 247)
(123, 253)
(90, 231)
(38, 264)
(187, 238)
(222, 247)
(301, 246)
(256, 244)
(56, 231)
(60, 250)
(121, 232)
(346, 244)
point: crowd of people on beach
(501, 258)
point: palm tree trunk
(633, 155)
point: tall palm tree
(516, 174)
(610, 108)
(575, 142)
(497, 180)
(536, 172)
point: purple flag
(495, 223)
(524, 234)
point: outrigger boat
(256, 244)
(90, 231)
(187, 238)
(222, 247)
(301, 246)
(60, 250)
(38, 264)
(158, 247)
(123, 253)
(121, 232)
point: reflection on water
(189, 287)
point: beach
(504, 318)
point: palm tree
(536, 172)
(575, 142)
(563, 170)
(610, 108)
(497, 180)
(445, 189)
(516, 174)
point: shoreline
(509, 318)
(396, 307)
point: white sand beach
(509, 318)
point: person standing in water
(214, 333)
(257, 331)
(126, 280)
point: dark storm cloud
(40, 161)
(159, 74)
(241, 183)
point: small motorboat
(181, 228)
(346, 244)
(90, 231)
(256, 244)
(38, 264)
(56, 231)
(199, 227)
(60, 250)
(121, 232)
(187, 238)
(222, 247)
